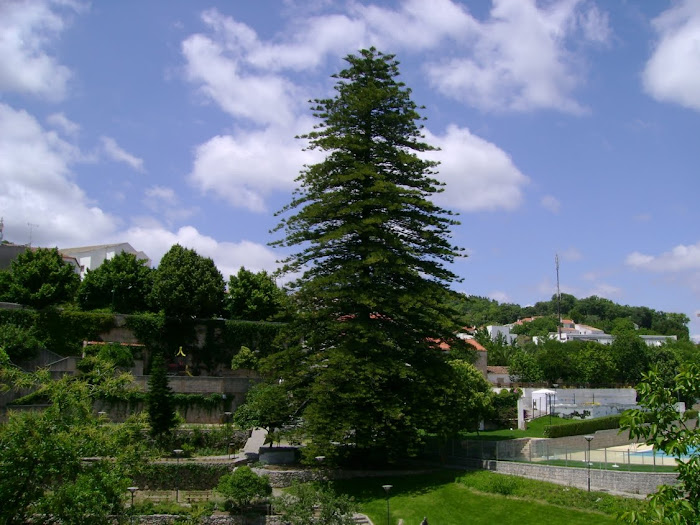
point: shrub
(243, 486)
(583, 427)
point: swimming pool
(659, 454)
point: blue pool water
(659, 454)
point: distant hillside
(595, 311)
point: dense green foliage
(41, 278)
(267, 406)
(159, 400)
(312, 503)
(41, 453)
(660, 424)
(242, 487)
(19, 342)
(595, 311)
(122, 283)
(254, 296)
(590, 363)
(372, 300)
(187, 285)
(579, 428)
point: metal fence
(548, 452)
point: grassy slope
(455, 498)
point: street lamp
(132, 490)
(387, 489)
(589, 438)
(177, 452)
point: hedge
(587, 426)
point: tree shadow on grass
(369, 489)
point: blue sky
(565, 126)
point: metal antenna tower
(31, 227)
(556, 262)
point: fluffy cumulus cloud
(478, 174)
(672, 74)
(28, 31)
(244, 168)
(258, 83)
(228, 256)
(520, 58)
(680, 259)
(37, 186)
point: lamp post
(132, 490)
(589, 438)
(177, 452)
(387, 489)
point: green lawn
(535, 428)
(480, 497)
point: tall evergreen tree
(373, 249)
(161, 405)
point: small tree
(19, 342)
(661, 425)
(161, 405)
(41, 278)
(254, 296)
(187, 285)
(122, 283)
(267, 406)
(242, 487)
(310, 503)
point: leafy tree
(122, 283)
(267, 406)
(594, 365)
(372, 298)
(243, 486)
(254, 296)
(186, 285)
(312, 503)
(41, 467)
(41, 278)
(160, 401)
(245, 358)
(19, 342)
(524, 367)
(632, 358)
(541, 326)
(661, 425)
(5, 286)
(469, 397)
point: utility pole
(556, 262)
(31, 227)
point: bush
(583, 427)
(243, 486)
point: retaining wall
(642, 483)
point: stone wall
(642, 483)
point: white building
(91, 257)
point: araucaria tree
(372, 252)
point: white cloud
(679, 259)
(244, 168)
(118, 154)
(672, 74)
(36, 185)
(478, 174)
(500, 296)
(228, 256)
(551, 203)
(217, 64)
(28, 30)
(60, 121)
(166, 195)
(519, 59)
